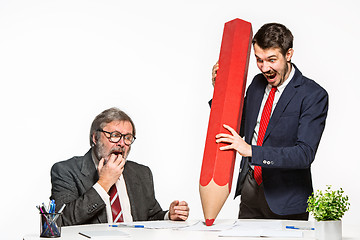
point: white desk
(350, 232)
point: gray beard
(100, 152)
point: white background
(63, 62)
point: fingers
(174, 203)
(183, 203)
(234, 142)
(115, 158)
(214, 72)
(179, 210)
(233, 132)
(182, 210)
(231, 139)
(181, 217)
(110, 170)
(224, 137)
(115, 161)
(230, 129)
(101, 164)
(227, 147)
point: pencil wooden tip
(209, 222)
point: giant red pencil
(218, 166)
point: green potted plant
(328, 207)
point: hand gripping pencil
(218, 166)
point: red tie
(115, 205)
(264, 121)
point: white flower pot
(328, 230)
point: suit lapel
(89, 171)
(286, 96)
(132, 184)
(89, 178)
(253, 110)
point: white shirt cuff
(166, 217)
(103, 194)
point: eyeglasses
(116, 136)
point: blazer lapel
(89, 178)
(132, 183)
(88, 169)
(286, 96)
(253, 111)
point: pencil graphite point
(209, 222)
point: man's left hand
(235, 142)
(178, 211)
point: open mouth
(270, 75)
(117, 152)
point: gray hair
(107, 116)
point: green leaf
(328, 205)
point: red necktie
(115, 205)
(264, 121)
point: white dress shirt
(278, 93)
(123, 197)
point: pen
(46, 220)
(60, 211)
(300, 228)
(43, 208)
(134, 226)
(52, 206)
(84, 235)
(62, 208)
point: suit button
(264, 162)
(92, 208)
(268, 162)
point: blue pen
(134, 226)
(52, 206)
(300, 228)
(139, 226)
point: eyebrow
(271, 56)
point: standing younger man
(283, 120)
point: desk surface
(350, 232)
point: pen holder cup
(50, 225)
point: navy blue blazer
(290, 143)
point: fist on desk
(178, 211)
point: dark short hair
(274, 35)
(107, 116)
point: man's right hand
(110, 170)
(214, 72)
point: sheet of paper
(261, 233)
(159, 224)
(104, 234)
(271, 228)
(200, 226)
(252, 225)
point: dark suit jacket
(290, 143)
(72, 182)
